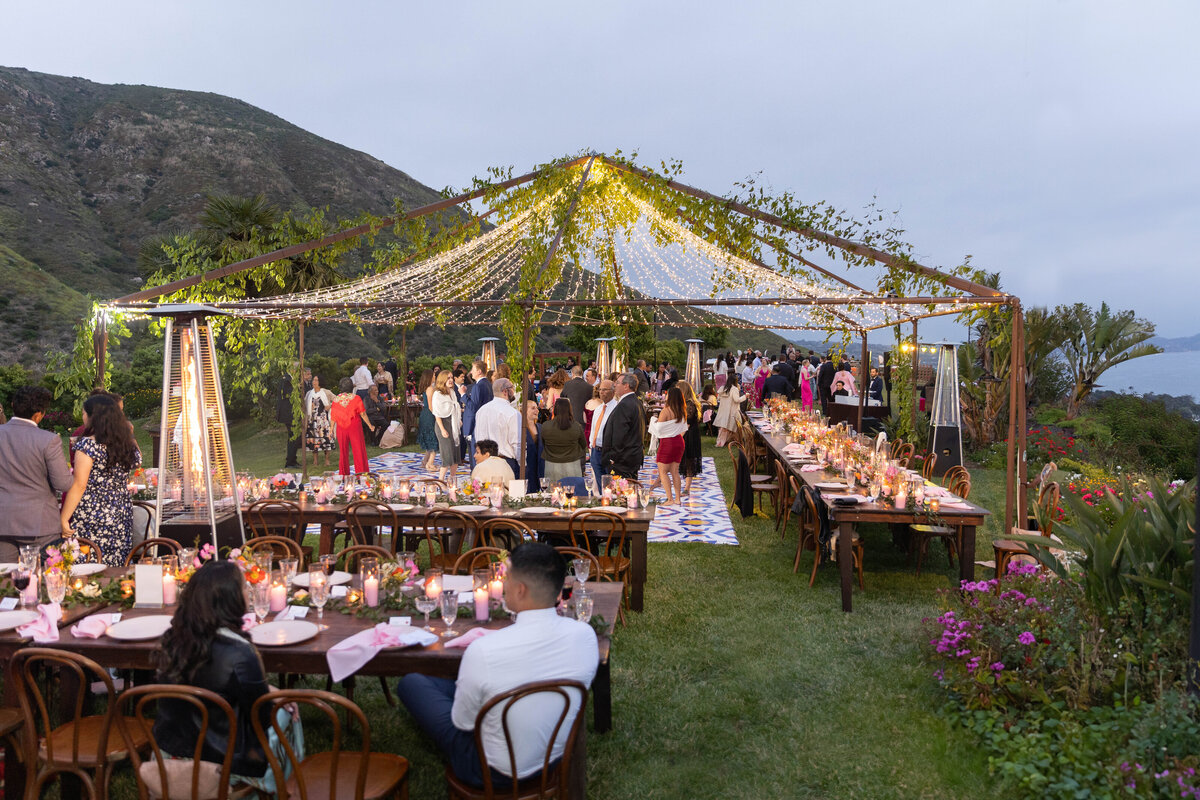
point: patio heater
(945, 430)
(604, 356)
(695, 358)
(489, 351)
(196, 486)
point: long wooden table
(637, 523)
(847, 517)
(309, 658)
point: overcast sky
(1055, 142)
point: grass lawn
(740, 681)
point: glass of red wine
(21, 578)
(328, 562)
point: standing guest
(377, 413)
(600, 417)
(671, 381)
(590, 377)
(535, 465)
(669, 427)
(807, 371)
(777, 385)
(578, 391)
(390, 366)
(729, 409)
(33, 475)
(761, 373)
(554, 384)
(563, 444)
(498, 421)
(693, 452)
(719, 371)
(825, 382)
(347, 411)
(708, 406)
(98, 505)
(383, 380)
(479, 395)
(876, 390)
(847, 378)
(3, 419)
(540, 646)
(426, 436)
(362, 378)
(623, 433)
(318, 429)
(206, 647)
(746, 374)
(447, 417)
(489, 467)
(788, 371)
(643, 375)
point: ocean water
(1163, 373)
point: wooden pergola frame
(974, 294)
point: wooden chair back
(349, 556)
(145, 525)
(182, 777)
(955, 472)
(1047, 505)
(275, 518)
(571, 553)
(153, 548)
(599, 532)
(904, 453)
(895, 445)
(281, 546)
(928, 465)
(961, 486)
(475, 558)
(365, 520)
(446, 531)
(786, 493)
(567, 697)
(89, 551)
(505, 533)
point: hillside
(37, 307)
(88, 171)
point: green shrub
(1049, 415)
(1148, 437)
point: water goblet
(288, 568)
(873, 490)
(318, 589)
(449, 609)
(56, 586)
(260, 598)
(583, 569)
(425, 604)
(583, 605)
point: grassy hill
(37, 308)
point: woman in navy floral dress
(97, 505)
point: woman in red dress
(669, 428)
(347, 410)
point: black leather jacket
(235, 672)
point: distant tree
(715, 337)
(1094, 341)
(230, 225)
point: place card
(8, 604)
(338, 591)
(400, 621)
(292, 612)
(148, 586)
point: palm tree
(229, 224)
(1095, 341)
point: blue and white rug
(703, 516)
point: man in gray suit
(33, 474)
(578, 391)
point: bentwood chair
(475, 558)
(904, 453)
(83, 745)
(955, 473)
(340, 771)
(784, 499)
(182, 777)
(950, 534)
(282, 518)
(281, 546)
(561, 701)
(604, 535)
(1004, 550)
(145, 525)
(349, 557)
(505, 533)
(152, 548)
(927, 466)
(446, 531)
(366, 519)
(760, 488)
(810, 539)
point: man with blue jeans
(540, 646)
(596, 438)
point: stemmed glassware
(287, 569)
(56, 586)
(318, 590)
(21, 577)
(260, 598)
(328, 564)
(449, 609)
(425, 604)
(874, 489)
(583, 569)
(590, 483)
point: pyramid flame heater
(945, 430)
(604, 355)
(197, 495)
(488, 351)
(693, 372)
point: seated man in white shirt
(540, 646)
(489, 467)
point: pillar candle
(168, 589)
(277, 595)
(481, 604)
(901, 499)
(430, 496)
(496, 589)
(371, 591)
(433, 588)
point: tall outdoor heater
(196, 480)
(489, 351)
(945, 428)
(604, 356)
(695, 360)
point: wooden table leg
(966, 554)
(846, 563)
(602, 699)
(325, 543)
(14, 770)
(637, 578)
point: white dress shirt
(500, 422)
(493, 470)
(597, 437)
(362, 378)
(540, 646)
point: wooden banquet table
(847, 517)
(637, 523)
(309, 657)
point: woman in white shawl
(447, 419)
(318, 429)
(729, 409)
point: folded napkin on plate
(349, 655)
(469, 636)
(95, 626)
(812, 468)
(249, 621)
(45, 627)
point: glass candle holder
(368, 570)
(433, 582)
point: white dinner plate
(16, 618)
(469, 509)
(8, 566)
(138, 629)
(336, 579)
(401, 506)
(613, 509)
(283, 632)
(831, 485)
(540, 510)
(87, 569)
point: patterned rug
(703, 516)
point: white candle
(631, 500)
(481, 604)
(901, 500)
(496, 589)
(278, 597)
(371, 591)
(168, 589)
(433, 588)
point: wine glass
(583, 605)
(425, 604)
(260, 598)
(21, 577)
(449, 609)
(288, 568)
(545, 482)
(590, 483)
(583, 568)
(328, 564)
(56, 586)
(318, 590)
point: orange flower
(255, 575)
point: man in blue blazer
(479, 395)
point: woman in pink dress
(760, 378)
(806, 395)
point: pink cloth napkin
(349, 655)
(469, 636)
(45, 627)
(812, 468)
(249, 621)
(93, 627)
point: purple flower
(998, 666)
(1026, 638)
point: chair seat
(10, 720)
(384, 772)
(614, 566)
(527, 789)
(90, 731)
(766, 487)
(1009, 546)
(760, 478)
(934, 530)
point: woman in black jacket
(205, 647)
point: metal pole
(100, 342)
(916, 353)
(862, 381)
(303, 420)
(1194, 639)
(1022, 421)
(1011, 454)
(526, 391)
